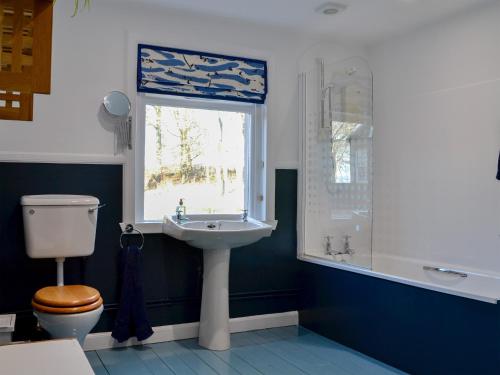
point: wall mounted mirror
(118, 106)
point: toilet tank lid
(59, 200)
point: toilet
(60, 227)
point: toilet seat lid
(67, 310)
(66, 296)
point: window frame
(255, 149)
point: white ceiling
(364, 21)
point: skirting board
(103, 340)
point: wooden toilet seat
(68, 299)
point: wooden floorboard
(123, 361)
(306, 361)
(154, 363)
(96, 363)
(174, 349)
(350, 360)
(261, 358)
(210, 358)
(276, 351)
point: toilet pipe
(60, 271)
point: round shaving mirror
(117, 104)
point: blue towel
(131, 319)
(498, 168)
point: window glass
(196, 154)
(341, 151)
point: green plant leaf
(86, 4)
(76, 8)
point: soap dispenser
(180, 210)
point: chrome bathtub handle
(92, 210)
(445, 270)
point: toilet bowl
(68, 311)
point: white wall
(91, 56)
(437, 137)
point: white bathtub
(450, 279)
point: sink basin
(216, 235)
(216, 231)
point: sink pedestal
(214, 317)
(216, 235)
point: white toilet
(62, 226)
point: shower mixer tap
(347, 245)
(328, 250)
(345, 251)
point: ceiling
(363, 21)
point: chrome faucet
(244, 215)
(345, 251)
(347, 245)
(328, 250)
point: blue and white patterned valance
(172, 71)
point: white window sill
(152, 227)
(148, 227)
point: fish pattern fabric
(172, 71)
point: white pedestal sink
(216, 235)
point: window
(350, 152)
(209, 153)
(341, 151)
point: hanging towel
(498, 168)
(131, 319)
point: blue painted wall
(264, 277)
(414, 329)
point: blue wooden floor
(288, 350)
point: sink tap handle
(244, 216)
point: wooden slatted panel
(16, 102)
(16, 106)
(25, 55)
(42, 46)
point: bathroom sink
(216, 235)
(216, 231)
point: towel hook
(129, 229)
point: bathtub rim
(399, 279)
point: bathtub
(440, 277)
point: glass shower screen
(336, 174)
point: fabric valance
(172, 71)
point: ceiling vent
(331, 9)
